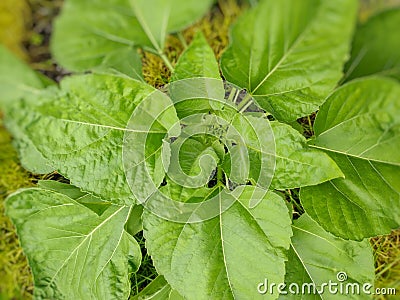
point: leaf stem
(246, 102)
(166, 61)
(182, 39)
(219, 175)
(227, 181)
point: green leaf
(104, 35)
(85, 124)
(206, 260)
(289, 54)
(68, 190)
(135, 223)
(16, 119)
(159, 17)
(359, 126)
(316, 257)
(196, 77)
(96, 204)
(198, 60)
(73, 252)
(376, 47)
(98, 35)
(145, 152)
(17, 81)
(252, 151)
(192, 161)
(297, 164)
(158, 289)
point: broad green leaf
(158, 289)
(159, 17)
(98, 35)
(316, 257)
(211, 259)
(31, 159)
(197, 95)
(289, 54)
(198, 60)
(104, 35)
(376, 47)
(17, 80)
(73, 252)
(124, 62)
(359, 127)
(296, 163)
(96, 204)
(145, 161)
(85, 123)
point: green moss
(16, 279)
(387, 262)
(14, 17)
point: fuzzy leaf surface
(92, 202)
(205, 259)
(289, 54)
(297, 164)
(359, 127)
(196, 76)
(86, 121)
(73, 252)
(104, 35)
(158, 289)
(316, 257)
(98, 35)
(198, 60)
(17, 81)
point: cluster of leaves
(78, 237)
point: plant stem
(182, 40)
(219, 175)
(166, 61)
(227, 181)
(246, 102)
